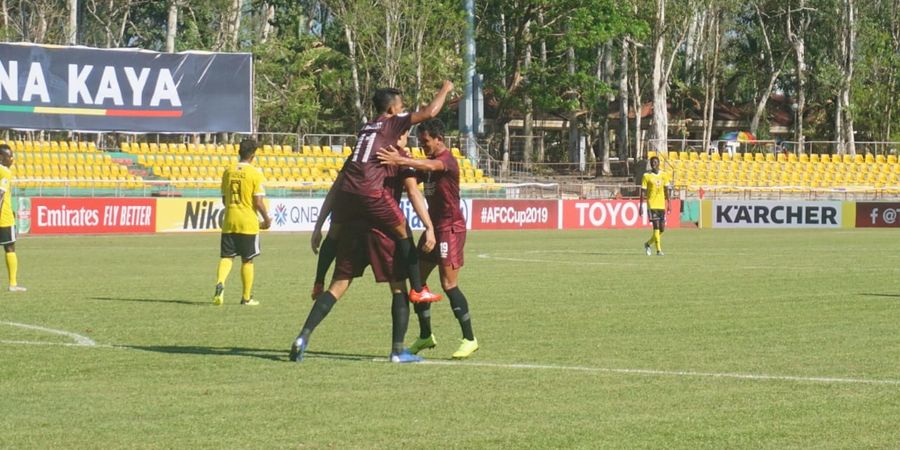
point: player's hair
(434, 128)
(383, 98)
(654, 157)
(248, 148)
(6, 149)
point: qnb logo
(281, 214)
(888, 216)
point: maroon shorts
(381, 212)
(351, 258)
(382, 252)
(448, 250)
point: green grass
(172, 371)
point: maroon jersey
(395, 177)
(363, 171)
(442, 193)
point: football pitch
(734, 339)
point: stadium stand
(70, 164)
(790, 172)
(201, 165)
(57, 164)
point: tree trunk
(713, 84)
(505, 165)
(661, 71)
(798, 43)
(354, 74)
(235, 28)
(762, 102)
(605, 69)
(121, 33)
(528, 147)
(172, 26)
(72, 29)
(693, 46)
(504, 49)
(419, 48)
(892, 75)
(393, 20)
(41, 34)
(4, 19)
(638, 107)
(606, 168)
(622, 137)
(572, 115)
(774, 73)
(851, 25)
(268, 17)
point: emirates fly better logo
(281, 214)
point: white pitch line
(80, 340)
(674, 373)
(61, 344)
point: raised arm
(391, 157)
(418, 203)
(434, 108)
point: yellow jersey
(240, 184)
(7, 219)
(655, 185)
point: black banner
(88, 89)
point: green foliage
(300, 87)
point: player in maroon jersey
(364, 245)
(362, 197)
(440, 173)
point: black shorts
(8, 235)
(244, 245)
(658, 215)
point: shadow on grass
(881, 295)
(261, 353)
(150, 300)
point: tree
(667, 39)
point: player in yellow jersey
(243, 195)
(655, 188)
(7, 219)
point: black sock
(320, 309)
(461, 310)
(400, 319)
(423, 312)
(327, 253)
(410, 259)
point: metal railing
(527, 190)
(769, 146)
